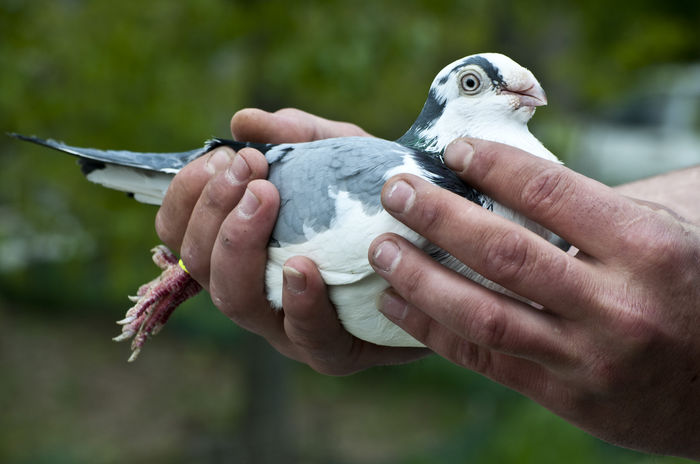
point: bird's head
(487, 96)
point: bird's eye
(471, 83)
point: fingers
(307, 329)
(310, 322)
(183, 193)
(223, 228)
(287, 125)
(517, 373)
(312, 325)
(220, 195)
(472, 312)
(254, 125)
(556, 197)
(496, 248)
(239, 258)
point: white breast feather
(341, 256)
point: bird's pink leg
(156, 300)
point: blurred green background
(164, 75)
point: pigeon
(330, 208)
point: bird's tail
(146, 176)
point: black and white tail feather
(145, 176)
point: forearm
(677, 190)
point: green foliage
(164, 75)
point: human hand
(219, 212)
(616, 349)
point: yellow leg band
(182, 265)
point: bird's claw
(156, 300)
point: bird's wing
(330, 192)
(319, 181)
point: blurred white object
(653, 130)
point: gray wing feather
(169, 163)
(309, 177)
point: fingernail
(392, 305)
(294, 280)
(386, 256)
(238, 171)
(248, 205)
(458, 155)
(400, 197)
(218, 160)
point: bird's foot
(156, 300)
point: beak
(529, 94)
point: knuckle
(237, 311)
(613, 367)
(302, 329)
(544, 193)
(489, 328)
(321, 367)
(324, 367)
(411, 282)
(308, 342)
(432, 214)
(637, 233)
(606, 375)
(289, 111)
(572, 399)
(186, 186)
(430, 332)
(483, 321)
(636, 331)
(506, 257)
(218, 298)
(428, 219)
(327, 361)
(256, 162)
(215, 196)
(657, 245)
(211, 201)
(473, 356)
(668, 246)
